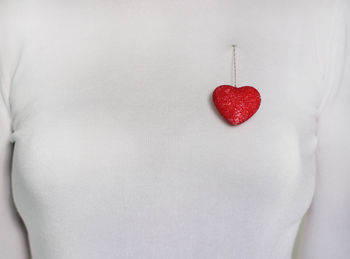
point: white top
(119, 152)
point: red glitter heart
(236, 104)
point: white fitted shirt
(111, 147)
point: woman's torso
(119, 151)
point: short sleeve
(325, 231)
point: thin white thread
(234, 66)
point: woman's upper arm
(13, 238)
(325, 232)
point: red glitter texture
(236, 104)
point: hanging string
(234, 66)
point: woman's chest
(119, 99)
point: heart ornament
(236, 104)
